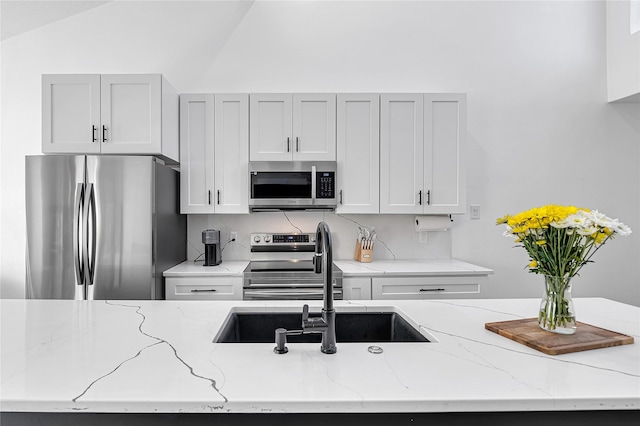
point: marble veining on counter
(158, 356)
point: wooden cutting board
(586, 337)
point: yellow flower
(541, 242)
(533, 264)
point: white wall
(540, 128)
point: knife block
(363, 255)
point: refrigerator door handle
(90, 238)
(77, 247)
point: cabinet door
(232, 153)
(444, 153)
(196, 153)
(131, 111)
(314, 127)
(401, 153)
(356, 288)
(270, 127)
(71, 114)
(358, 153)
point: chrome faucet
(326, 324)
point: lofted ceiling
(20, 16)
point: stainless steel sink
(247, 326)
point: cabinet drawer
(426, 287)
(204, 288)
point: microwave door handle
(313, 184)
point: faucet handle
(317, 263)
(305, 314)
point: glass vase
(556, 307)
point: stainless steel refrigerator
(101, 227)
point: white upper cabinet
(232, 153)
(314, 127)
(110, 114)
(196, 153)
(358, 153)
(422, 152)
(71, 114)
(401, 153)
(270, 127)
(214, 153)
(298, 127)
(445, 124)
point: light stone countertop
(437, 267)
(188, 268)
(350, 268)
(158, 356)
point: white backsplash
(396, 234)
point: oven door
(287, 280)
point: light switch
(474, 211)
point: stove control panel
(282, 242)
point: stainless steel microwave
(292, 185)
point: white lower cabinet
(356, 288)
(426, 287)
(204, 288)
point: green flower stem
(555, 307)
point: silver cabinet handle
(218, 197)
(104, 133)
(429, 197)
(209, 197)
(341, 197)
(94, 136)
(297, 144)
(199, 290)
(420, 197)
(432, 289)
(288, 145)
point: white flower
(600, 219)
(620, 228)
(564, 223)
(587, 230)
(577, 220)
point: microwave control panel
(325, 185)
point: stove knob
(312, 238)
(267, 238)
(256, 238)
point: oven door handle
(279, 295)
(282, 284)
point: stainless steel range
(281, 269)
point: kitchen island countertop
(158, 356)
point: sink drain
(375, 349)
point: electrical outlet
(474, 211)
(233, 236)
